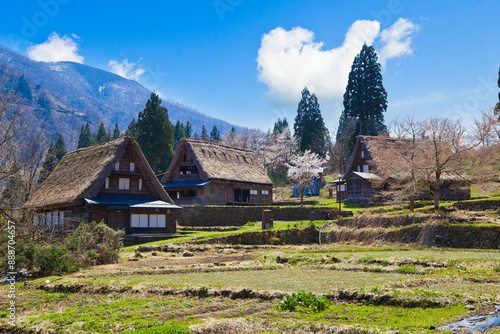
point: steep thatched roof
(220, 162)
(81, 173)
(402, 175)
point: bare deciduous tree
(399, 159)
(22, 144)
(249, 139)
(427, 153)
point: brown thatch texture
(81, 173)
(222, 162)
(401, 143)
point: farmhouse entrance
(241, 195)
(119, 221)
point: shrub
(54, 259)
(250, 224)
(93, 243)
(407, 270)
(304, 302)
(25, 256)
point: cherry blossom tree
(304, 169)
(278, 148)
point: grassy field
(161, 292)
(192, 283)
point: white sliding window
(135, 221)
(161, 221)
(124, 183)
(153, 220)
(143, 221)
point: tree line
(364, 102)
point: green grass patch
(168, 329)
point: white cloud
(127, 70)
(397, 40)
(289, 60)
(56, 48)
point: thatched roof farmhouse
(361, 183)
(209, 173)
(111, 182)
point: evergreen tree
(131, 129)
(155, 134)
(195, 136)
(24, 89)
(233, 130)
(204, 135)
(101, 136)
(188, 129)
(179, 131)
(59, 148)
(214, 134)
(309, 127)
(12, 195)
(44, 102)
(54, 154)
(85, 137)
(280, 125)
(116, 132)
(365, 98)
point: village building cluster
(113, 182)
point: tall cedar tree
(204, 134)
(214, 134)
(55, 153)
(188, 129)
(309, 127)
(116, 132)
(155, 134)
(101, 136)
(85, 137)
(365, 98)
(179, 131)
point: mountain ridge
(66, 95)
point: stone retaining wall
(478, 205)
(240, 215)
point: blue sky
(246, 61)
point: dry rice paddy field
(213, 288)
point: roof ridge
(92, 147)
(207, 143)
